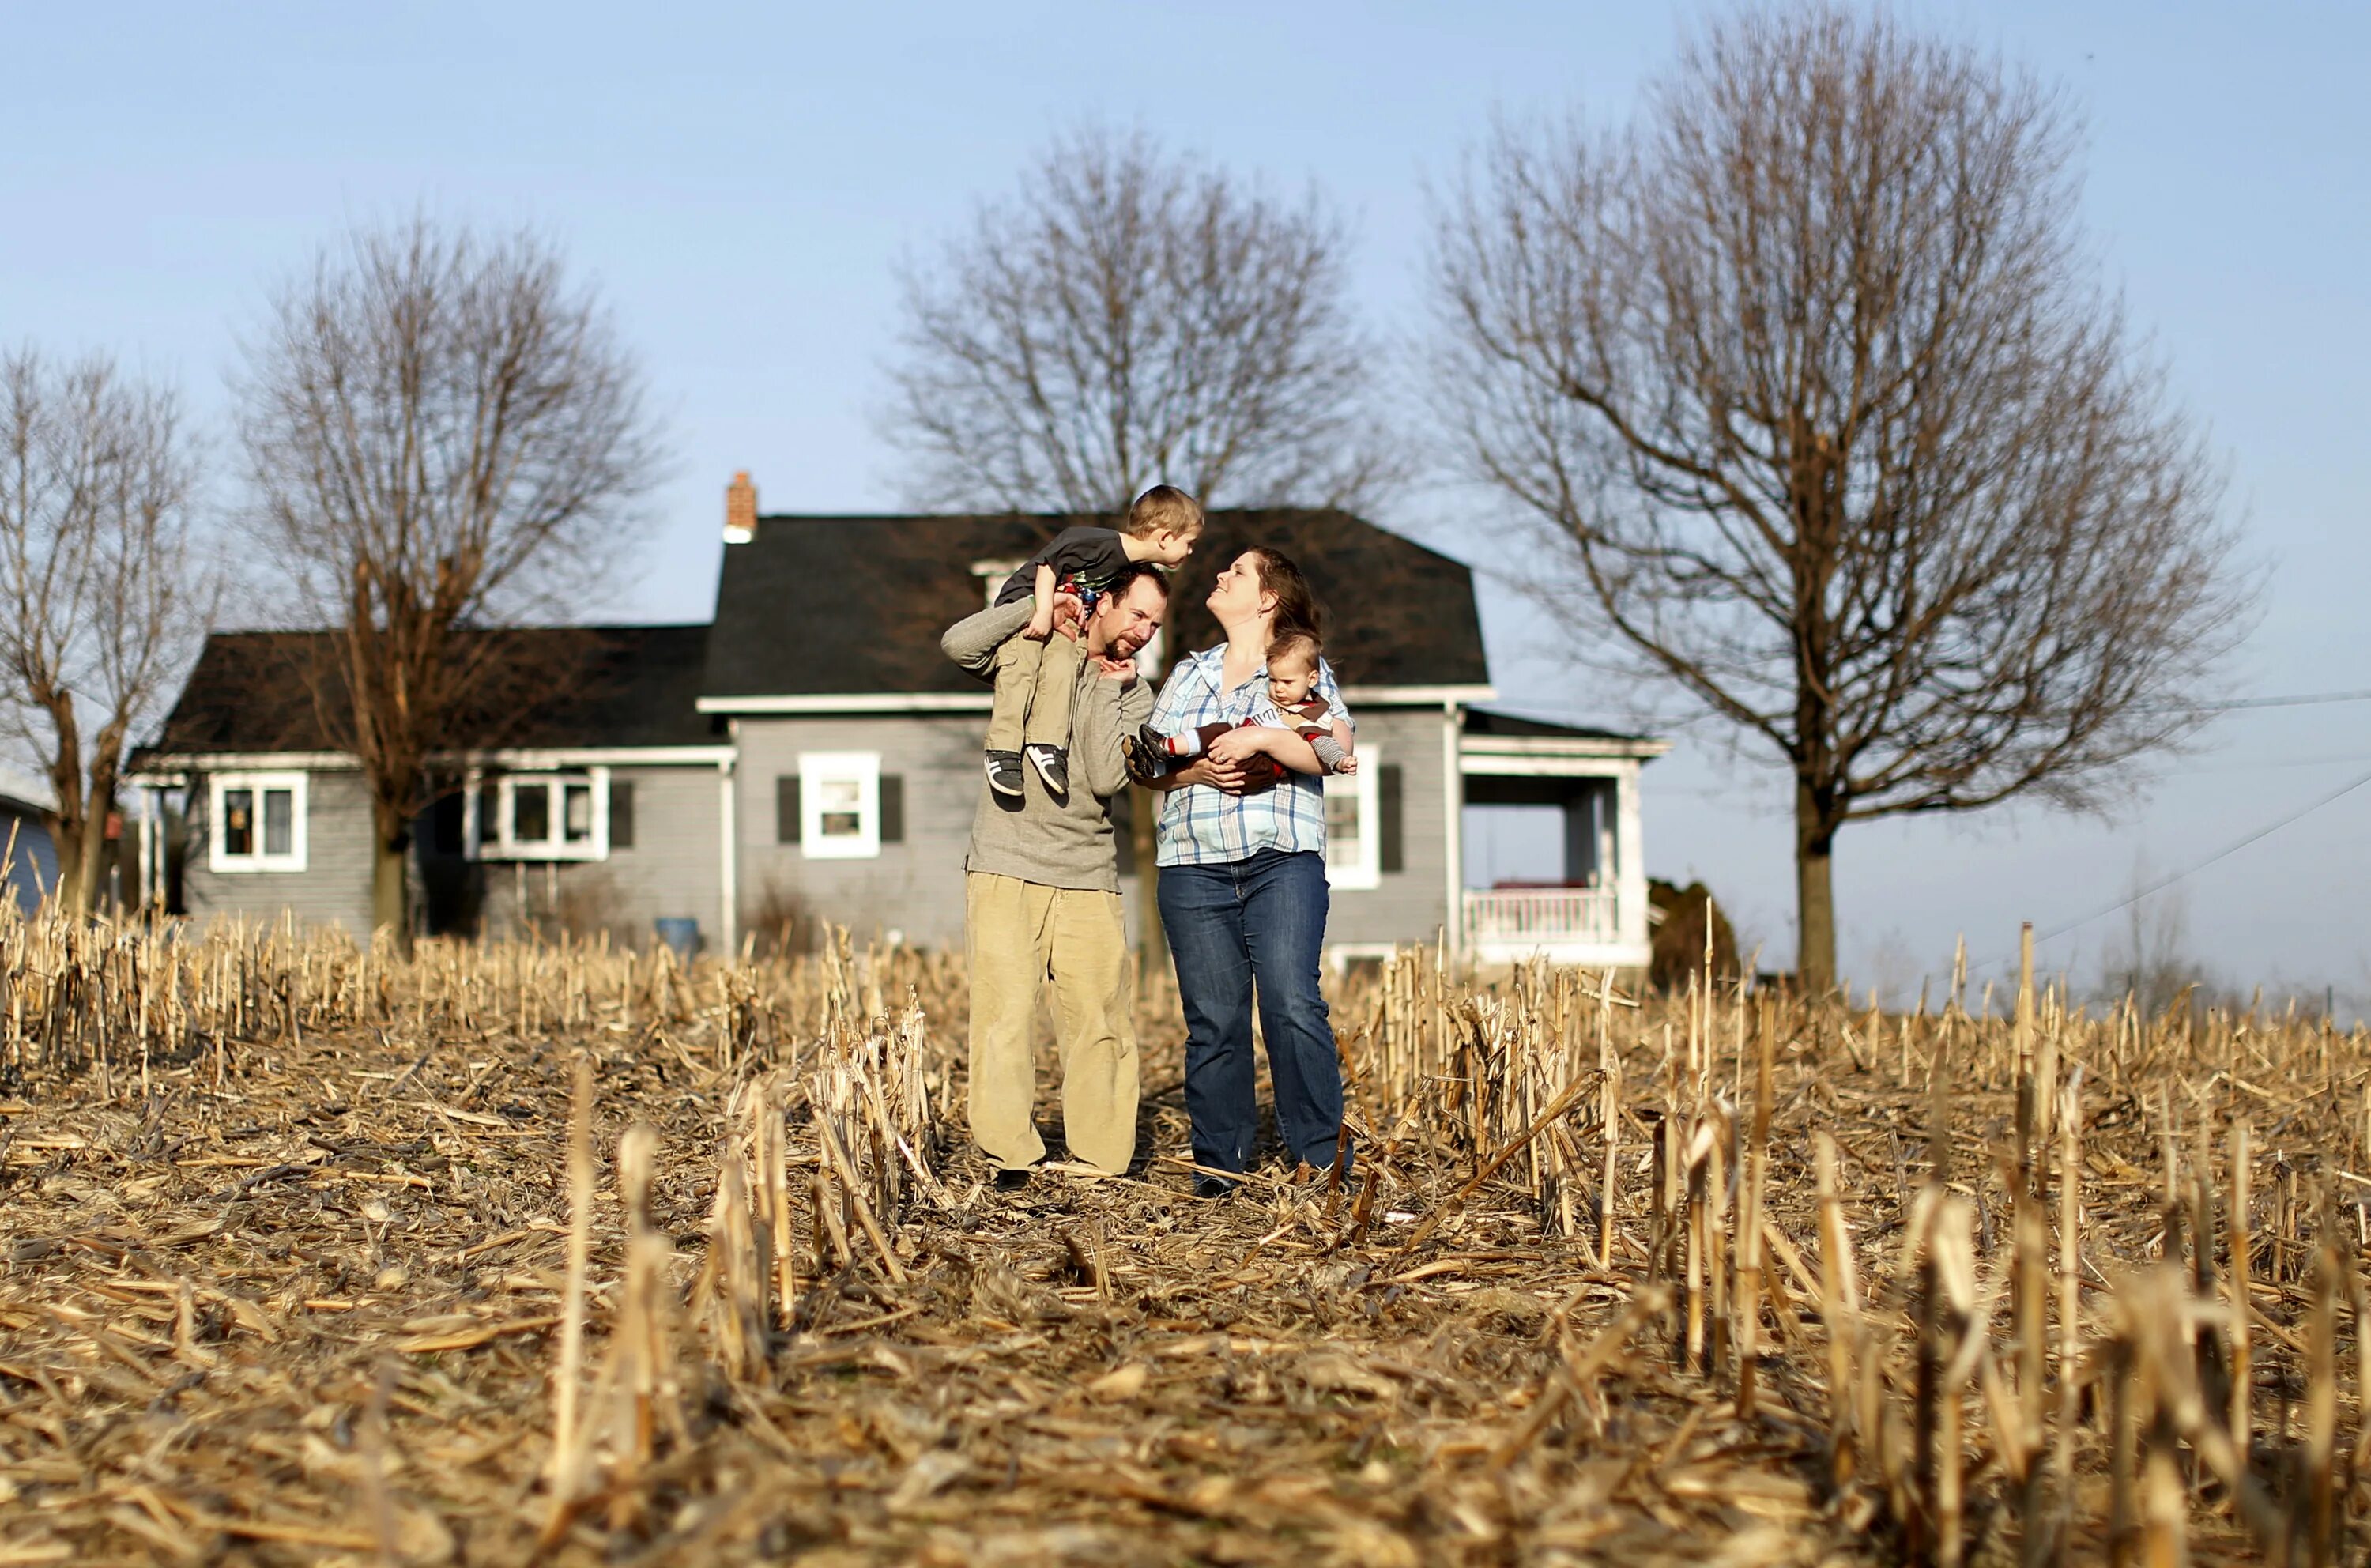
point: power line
(2235, 705)
(2224, 853)
(2308, 700)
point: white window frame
(218, 854)
(819, 768)
(991, 575)
(504, 846)
(1366, 869)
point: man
(1041, 899)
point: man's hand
(1120, 670)
(1070, 614)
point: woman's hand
(1239, 745)
(1227, 777)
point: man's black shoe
(1212, 1186)
(1004, 773)
(1053, 765)
(1012, 1180)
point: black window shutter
(621, 814)
(449, 811)
(1393, 845)
(892, 808)
(786, 809)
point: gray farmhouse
(811, 754)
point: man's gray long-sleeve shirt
(1070, 843)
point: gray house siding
(674, 868)
(334, 888)
(1411, 902)
(915, 886)
(32, 863)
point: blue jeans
(1254, 923)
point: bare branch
(1126, 318)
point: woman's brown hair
(1296, 606)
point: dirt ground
(310, 1312)
(303, 1302)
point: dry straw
(586, 1252)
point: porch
(1572, 793)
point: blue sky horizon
(742, 182)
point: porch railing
(1541, 914)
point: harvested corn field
(319, 1255)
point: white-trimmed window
(258, 822)
(840, 805)
(992, 575)
(1354, 825)
(538, 817)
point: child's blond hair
(1164, 509)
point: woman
(1242, 884)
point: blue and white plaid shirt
(1203, 827)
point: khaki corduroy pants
(1035, 682)
(1017, 936)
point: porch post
(147, 853)
(1452, 796)
(1630, 860)
(728, 922)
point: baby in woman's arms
(1292, 673)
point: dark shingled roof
(817, 607)
(559, 686)
(1490, 721)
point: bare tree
(444, 433)
(1128, 318)
(2154, 964)
(103, 594)
(1806, 380)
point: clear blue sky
(742, 180)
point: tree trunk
(1815, 897)
(82, 876)
(71, 825)
(67, 837)
(388, 856)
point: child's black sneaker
(1053, 765)
(1004, 773)
(1146, 758)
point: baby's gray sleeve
(1329, 752)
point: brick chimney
(740, 510)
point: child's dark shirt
(1090, 558)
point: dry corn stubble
(299, 1236)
